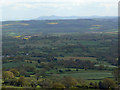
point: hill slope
(60, 26)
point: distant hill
(56, 17)
(59, 26)
(53, 17)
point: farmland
(50, 51)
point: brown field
(96, 25)
(53, 23)
(73, 58)
(111, 32)
(24, 24)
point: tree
(85, 68)
(46, 83)
(37, 75)
(29, 68)
(81, 81)
(58, 85)
(39, 61)
(101, 67)
(33, 83)
(8, 75)
(101, 85)
(10, 82)
(93, 85)
(116, 74)
(69, 82)
(107, 83)
(15, 72)
(22, 81)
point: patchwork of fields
(43, 53)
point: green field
(60, 53)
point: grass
(85, 42)
(90, 74)
(81, 73)
(12, 64)
(16, 64)
(19, 88)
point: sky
(30, 9)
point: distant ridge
(53, 17)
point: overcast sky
(30, 9)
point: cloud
(28, 5)
(33, 8)
(57, 2)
